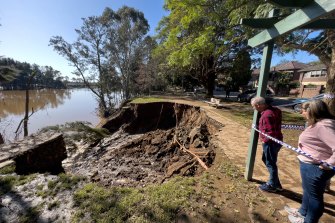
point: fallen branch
(176, 168)
(193, 154)
(18, 127)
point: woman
(304, 108)
(317, 140)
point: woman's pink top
(318, 140)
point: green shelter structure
(309, 14)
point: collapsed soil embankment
(149, 143)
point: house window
(315, 73)
(307, 75)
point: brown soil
(151, 143)
(155, 141)
(207, 130)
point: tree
(89, 57)
(13, 75)
(104, 51)
(147, 76)
(7, 74)
(125, 42)
(31, 73)
(197, 36)
(240, 73)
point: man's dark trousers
(269, 158)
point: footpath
(234, 139)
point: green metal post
(262, 85)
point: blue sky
(27, 26)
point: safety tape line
(329, 95)
(297, 150)
(293, 127)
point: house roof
(314, 67)
(292, 65)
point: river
(47, 107)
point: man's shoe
(268, 188)
(294, 219)
(293, 211)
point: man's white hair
(258, 101)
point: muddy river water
(49, 107)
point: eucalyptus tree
(104, 51)
(148, 76)
(89, 56)
(125, 41)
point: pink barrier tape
(297, 150)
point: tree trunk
(210, 83)
(26, 115)
(330, 87)
(210, 75)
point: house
(312, 80)
(290, 68)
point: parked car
(247, 95)
(296, 104)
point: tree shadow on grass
(29, 213)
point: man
(270, 124)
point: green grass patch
(156, 203)
(8, 169)
(53, 205)
(147, 100)
(8, 182)
(31, 215)
(293, 118)
(62, 183)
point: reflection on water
(13, 102)
(51, 107)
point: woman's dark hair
(318, 110)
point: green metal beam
(320, 24)
(298, 19)
(260, 23)
(265, 23)
(290, 3)
(262, 84)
